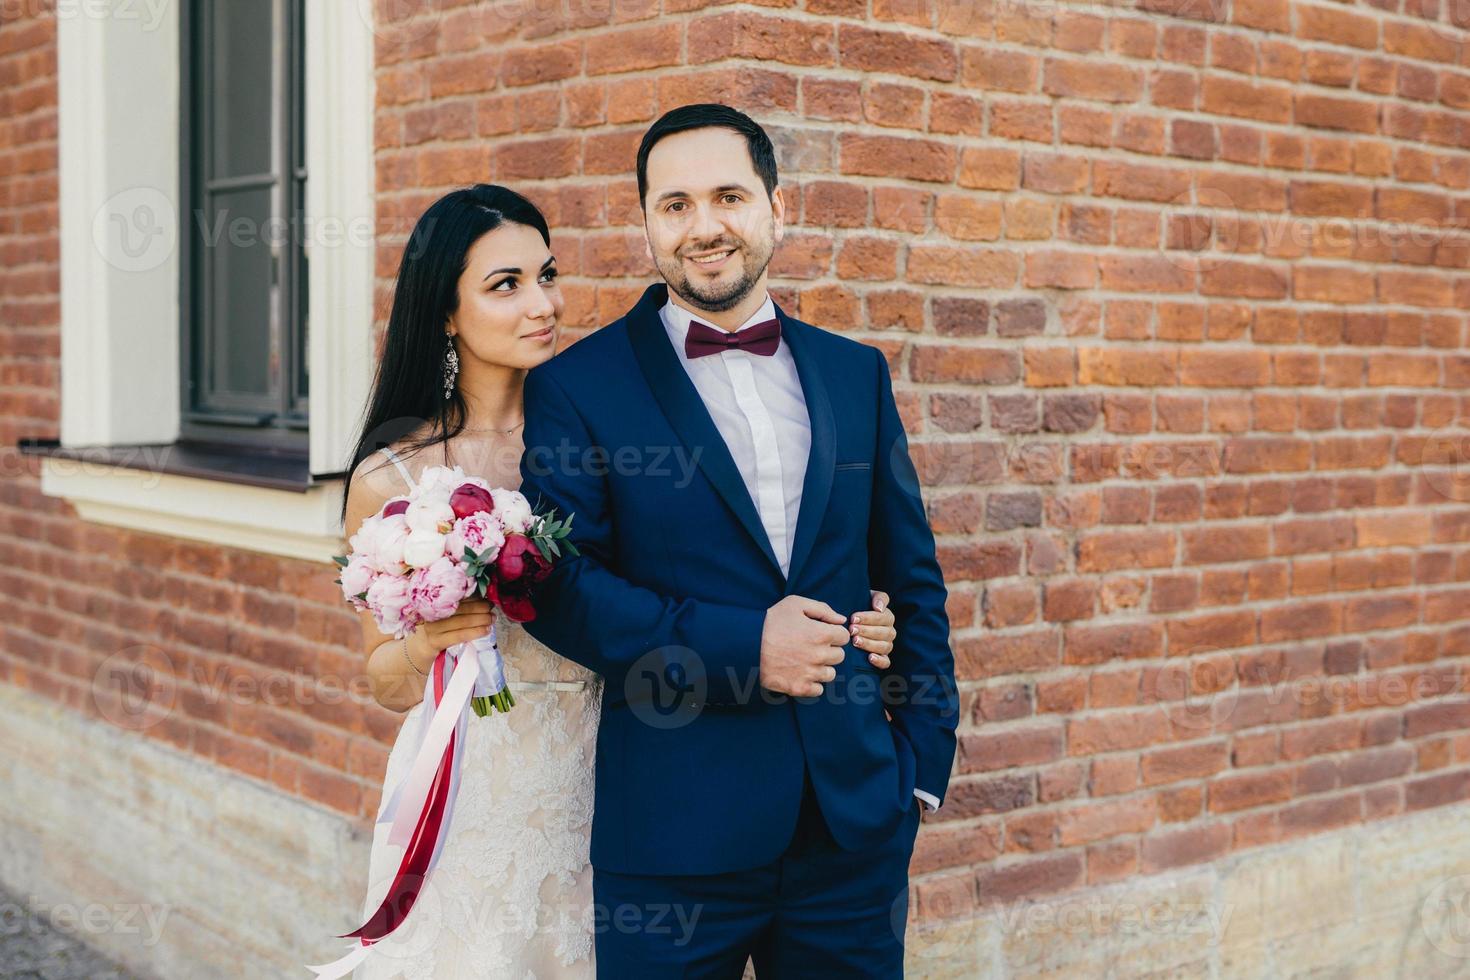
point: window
(244, 278)
(137, 449)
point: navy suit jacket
(699, 769)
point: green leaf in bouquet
(341, 560)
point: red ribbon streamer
(409, 880)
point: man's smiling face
(711, 226)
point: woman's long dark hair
(408, 386)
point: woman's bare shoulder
(375, 481)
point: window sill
(248, 466)
(261, 501)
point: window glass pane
(239, 107)
(303, 334)
(239, 262)
(298, 155)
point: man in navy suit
(736, 476)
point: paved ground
(32, 949)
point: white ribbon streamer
(472, 669)
(344, 966)
(466, 679)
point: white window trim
(279, 522)
(118, 143)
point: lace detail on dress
(512, 894)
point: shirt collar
(676, 319)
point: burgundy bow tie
(758, 338)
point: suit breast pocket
(846, 519)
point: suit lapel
(817, 486)
(686, 412)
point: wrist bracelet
(410, 659)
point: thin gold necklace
(504, 432)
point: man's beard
(716, 297)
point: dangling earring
(451, 368)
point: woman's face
(509, 303)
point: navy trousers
(815, 911)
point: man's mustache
(715, 247)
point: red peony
(518, 608)
(519, 566)
(468, 499)
(518, 558)
(394, 507)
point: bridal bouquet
(451, 537)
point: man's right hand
(801, 644)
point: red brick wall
(1174, 300)
(29, 301)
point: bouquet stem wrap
(420, 807)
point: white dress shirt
(758, 407)
(757, 404)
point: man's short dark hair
(701, 116)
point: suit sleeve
(902, 562)
(591, 615)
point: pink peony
(357, 576)
(436, 589)
(480, 531)
(388, 597)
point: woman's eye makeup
(548, 275)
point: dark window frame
(277, 423)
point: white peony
(513, 509)
(380, 542)
(439, 481)
(423, 548)
(392, 534)
(429, 513)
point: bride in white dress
(475, 307)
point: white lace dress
(511, 896)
